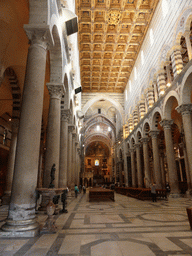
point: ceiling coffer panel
(111, 33)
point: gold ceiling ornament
(114, 17)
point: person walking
(76, 191)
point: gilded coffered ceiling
(110, 35)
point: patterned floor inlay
(126, 227)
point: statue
(53, 169)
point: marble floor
(126, 227)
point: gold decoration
(114, 17)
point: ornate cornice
(71, 128)
(166, 124)
(55, 90)
(184, 109)
(65, 115)
(145, 140)
(154, 134)
(137, 145)
(74, 135)
(39, 35)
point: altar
(101, 194)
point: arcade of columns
(61, 141)
(151, 142)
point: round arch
(157, 113)
(145, 128)
(168, 104)
(56, 70)
(186, 87)
(104, 97)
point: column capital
(71, 128)
(132, 150)
(79, 151)
(184, 109)
(137, 145)
(55, 90)
(74, 135)
(65, 115)
(39, 35)
(154, 133)
(145, 140)
(166, 124)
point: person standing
(153, 192)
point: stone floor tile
(106, 249)
(134, 249)
(187, 241)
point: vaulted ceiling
(110, 36)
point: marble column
(139, 167)
(65, 114)
(69, 159)
(78, 163)
(21, 219)
(147, 177)
(133, 167)
(185, 110)
(162, 168)
(125, 163)
(11, 159)
(173, 177)
(177, 62)
(156, 159)
(53, 133)
(74, 136)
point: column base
(20, 228)
(6, 198)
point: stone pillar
(21, 219)
(130, 124)
(133, 167)
(65, 114)
(74, 136)
(142, 111)
(11, 159)
(161, 82)
(147, 177)
(76, 164)
(188, 43)
(177, 62)
(162, 168)
(40, 171)
(69, 160)
(125, 163)
(150, 97)
(53, 133)
(139, 167)
(185, 111)
(135, 116)
(169, 78)
(156, 160)
(173, 177)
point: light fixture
(168, 84)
